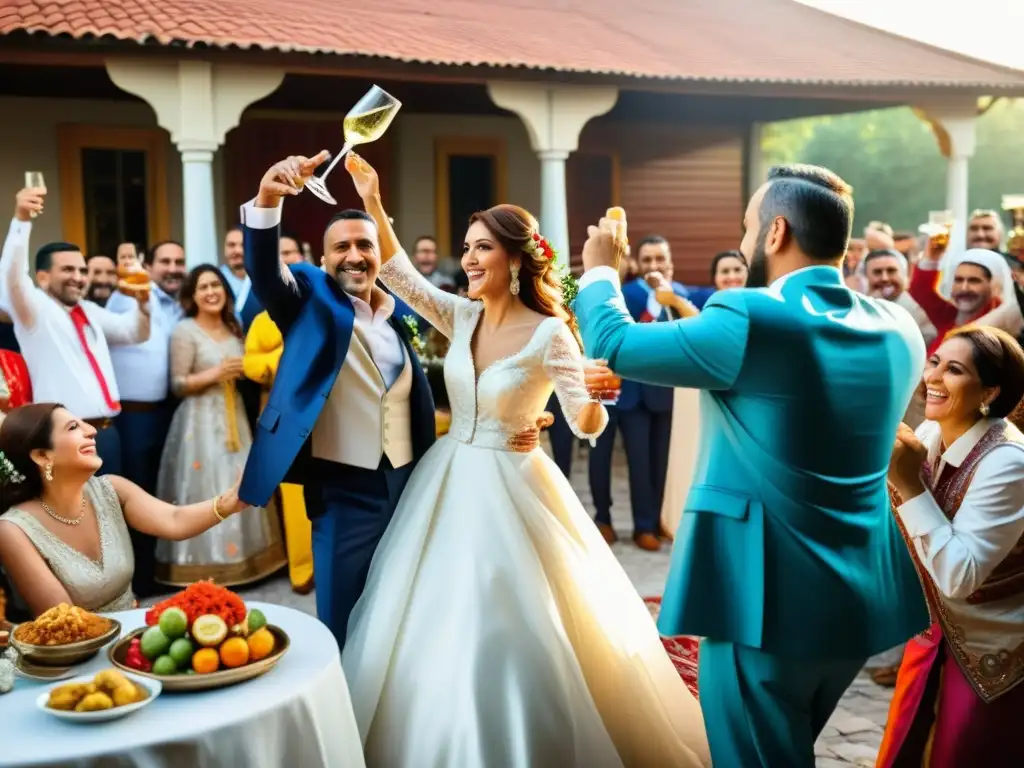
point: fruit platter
(201, 638)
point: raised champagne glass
(365, 122)
(35, 180)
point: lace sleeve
(183, 357)
(563, 362)
(435, 306)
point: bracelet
(216, 509)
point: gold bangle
(216, 509)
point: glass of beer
(35, 180)
(602, 382)
(365, 122)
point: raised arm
(702, 352)
(435, 306)
(563, 362)
(149, 515)
(18, 289)
(131, 327)
(278, 289)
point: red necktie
(80, 320)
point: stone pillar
(554, 115)
(197, 103)
(954, 126)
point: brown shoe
(609, 534)
(647, 541)
(665, 535)
(304, 589)
(885, 676)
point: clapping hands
(908, 456)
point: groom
(787, 560)
(350, 412)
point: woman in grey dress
(64, 534)
(209, 441)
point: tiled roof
(769, 41)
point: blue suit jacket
(315, 317)
(634, 394)
(787, 541)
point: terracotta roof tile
(698, 40)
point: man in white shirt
(64, 338)
(143, 377)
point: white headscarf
(994, 262)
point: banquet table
(297, 714)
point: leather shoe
(647, 541)
(609, 534)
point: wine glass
(365, 122)
(35, 180)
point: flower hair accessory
(8, 473)
(539, 246)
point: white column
(201, 241)
(954, 124)
(554, 115)
(956, 199)
(554, 206)
(197, 103)
(755, 160)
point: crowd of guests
(161, 386)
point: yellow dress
(263, 347)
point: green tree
(892, 159)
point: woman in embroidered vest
(209, 441)
(959, 697)
(64, 535)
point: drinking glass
(938, 227)
(609, 396)
(365, 122)
(35, 180)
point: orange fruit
(261, 644)
(234, 652)
(205, 661)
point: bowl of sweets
(62, 636)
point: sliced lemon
(209, 630)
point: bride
(496, 627)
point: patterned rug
(682, 649)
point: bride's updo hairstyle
(540, 288)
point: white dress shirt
(142, 370)
(960, 555)
(240, 287)
(57, 365)
(371, 324)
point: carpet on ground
(682, 649)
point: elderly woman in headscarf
(981, 282)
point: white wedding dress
(496, 628)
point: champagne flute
(35, 180)
(365, 122)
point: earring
(48, 472)
(984, 409)
(514, 282)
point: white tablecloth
(297, 715)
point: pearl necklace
(60, 518)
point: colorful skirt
(937, 720)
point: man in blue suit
(643, 412)
(350, 412)
(788, 562)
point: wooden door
(258, 143)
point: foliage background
(892, 159)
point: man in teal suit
(787, 561)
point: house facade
(150, 126)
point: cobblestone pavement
(851, 737)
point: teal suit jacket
(787, 541)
